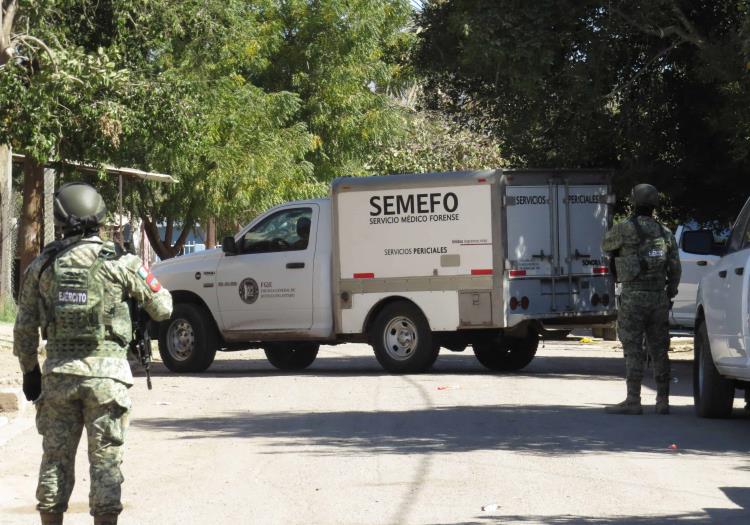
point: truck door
(582, 213)
(268, 285)
(532, 243)
(725, 293)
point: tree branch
(669, 31)
(631, 80)
(7, 22)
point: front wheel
(402, 339)
(295, 356)
(188, 340)
(713, 394)
(509, 353)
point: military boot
(662, 399)
(51, 518)
(632, 404)
(105, 519)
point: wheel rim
(180, 340)
(400, 338)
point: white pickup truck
(407, 263)
(722, 323)
(694, 267)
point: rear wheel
(188, 340)
(508, 353)
(293, 356)
(713, 394)
(402, 339)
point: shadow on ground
(534, 429)
(740, 496)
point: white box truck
(407, 263)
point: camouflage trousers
(644, 314)
(67, 405)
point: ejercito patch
(71, 296)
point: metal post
(47, 206)
(6, 230)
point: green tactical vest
(647, 264)
(82, 318)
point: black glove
(32, 384)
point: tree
(657, 90)
(434, 143)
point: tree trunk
(29, 239)
(211, 233)
(6, 211)
(163, 247)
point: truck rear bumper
(566, 319)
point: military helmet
(78, 206)
(645, 195)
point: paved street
(345, 443)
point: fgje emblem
(248, 290)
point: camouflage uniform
(83, 384)
(644, 299)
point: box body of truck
(474, 250)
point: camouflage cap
(645, 195)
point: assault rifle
(140, 345)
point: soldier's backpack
(76, 306)
(650, 261)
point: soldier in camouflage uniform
(648, 266)
(76, 291)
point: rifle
(140, 345)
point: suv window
(286, 230)
(740, 238)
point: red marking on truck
(365, 275)
(482, 271)
(517, 273)
(600, 270)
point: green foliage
(247, 104)
(657, 90)
(434, 143)
(342, 58)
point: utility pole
(6, 211)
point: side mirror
(698, 242)
(228, 246)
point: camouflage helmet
(645, 195)
(78, 206)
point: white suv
(722, 322)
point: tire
(402, 339)
(188, 340)
(297, 356)
(509, 354)
(713, 394)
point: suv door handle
(723, 274)
(739, 271)
(701, 263)
(295, 265)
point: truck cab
(722, 323)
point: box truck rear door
(531, 229)
(582, 219)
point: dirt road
(345, 443)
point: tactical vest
(646, 265)
(80, 314)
